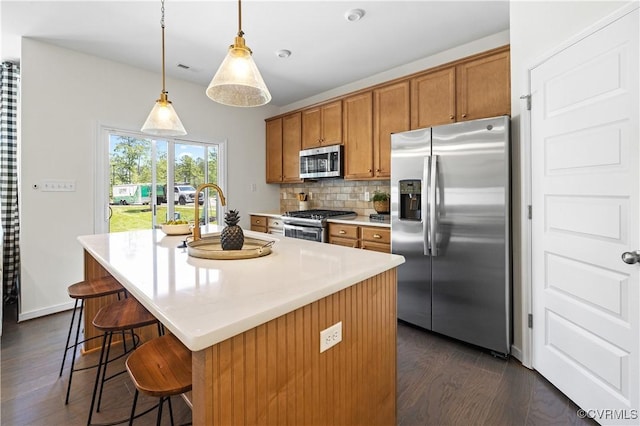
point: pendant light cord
(240, 33)
(162, 26)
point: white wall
(65, 97)
(537, 27)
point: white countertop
(361, 220)
(204, 302)
(358, 220)
(273, 215)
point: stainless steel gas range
(311, 224)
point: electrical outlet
(310, 195)
(367, 196)
(253, 187)
(330, 336)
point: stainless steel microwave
(321, 162)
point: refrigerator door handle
(425, 206)
(433, 187)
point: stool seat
(161, 367)
(122, 315)
(81, 291)
(97, 287)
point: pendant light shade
(163, 120)
(238, 81)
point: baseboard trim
(25, 316)
(516, 352)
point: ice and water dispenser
(410, 199)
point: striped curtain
(9, 181)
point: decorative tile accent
(332, 194)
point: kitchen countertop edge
(358, 220)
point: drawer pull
(342, 231)
(258, 221)
(377, 236)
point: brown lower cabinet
(375, 238)
(259, 223)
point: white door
(586, 199)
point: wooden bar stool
(161, 368)
(82, 291)
(123, 315)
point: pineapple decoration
(231, 236)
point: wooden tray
(210, 247)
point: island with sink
(254, 325)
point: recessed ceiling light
(353, 15)
(283, 53)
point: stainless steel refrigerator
(450, 220)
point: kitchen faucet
(196, 228)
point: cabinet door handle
(451, 117)
(342, 231)
(377, 236)
(464, 115)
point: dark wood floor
(440, 382)
(33, 394)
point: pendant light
(163, 120)
(238, 81)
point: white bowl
(180, 229)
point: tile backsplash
(334, 194)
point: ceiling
(328, 51)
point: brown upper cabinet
(274, 150)
(433, 98)
(283, 149)
(390, 115)
(471, 89)
(358, 136)
(483, 87)
(322, 125)
(369, 118)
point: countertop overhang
(204, 302)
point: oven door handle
(299, 228)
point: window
(145, 181)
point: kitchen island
(254, 325)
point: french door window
(146, 181)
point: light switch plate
(58, 185)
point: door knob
(631, 257)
